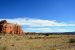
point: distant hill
(53, 33)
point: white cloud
(49, 30)
(37, 22)
(40, 29)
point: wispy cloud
(51, 29)
(38, 22)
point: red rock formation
(9, 28)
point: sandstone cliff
(9, 28)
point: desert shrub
(55, 49)
(16, 37)
(2, 34)
(27, 36)
(2, 48)
(0, 37)
(71, 40)
(12, 44)
(46, 34)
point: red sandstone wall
(9, 28)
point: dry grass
(32, 42)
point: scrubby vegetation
(37, 42)
(72, 40)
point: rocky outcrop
(9, 28)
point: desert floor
(36, 42)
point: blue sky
(49, 15)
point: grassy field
(37, 42)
